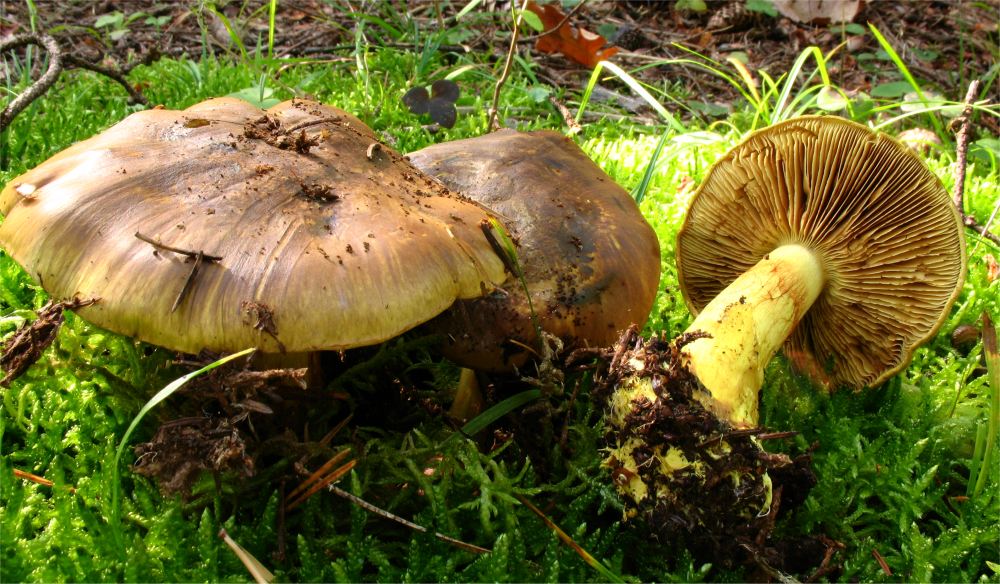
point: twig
(310, 123)
(135, 96)
(58, 61)
(567, 115)
(184, 252)
(962, 145)
(188, 282)
(383, 513)
(38, 480)
(319, 479)
(494, 123)
(881, 562)
(36, 89)
(961, 155)
(199, 257)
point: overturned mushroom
(818, 234)
(223, 226)
(591, 262)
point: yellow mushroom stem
(469, 401)
(746, 324)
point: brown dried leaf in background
(577, 44)
(819, 11)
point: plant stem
(493, 122)
(993, 369)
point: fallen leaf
(577, 44)
(819, 11)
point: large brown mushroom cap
(590, 260)
(886, 233)
(328, 239)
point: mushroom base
(688, 474)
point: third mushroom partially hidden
(816, 234)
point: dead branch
(961, 155)
(962, 145)
(135, 96)
(58, 61)
(494, 123)
(36, 89)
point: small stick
(43, 83)
(567, 115)
(962, 146)
(279, 555)
(494, 122)
(188, 281)
(199, 257)
(326, 481)
(383, 513)
(316, 476)
(564, 435)
(760, 433)
(881, 562)
(961, 154)
(184, 252)
(309, 123)
(134, 95)
(58, 61)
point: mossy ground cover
(893, 462)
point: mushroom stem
(744, 327)
(468, 401)
(683, 414)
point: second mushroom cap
(591, 262)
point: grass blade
(152, 403)
(261, 575)
(640, 190)
(637, 87)
(590, 560)
(480, 422)
(272, 11)
(504, 247)
(779, 113)
(472, 5)
(229, 29)
(992, 355)
(905, 71)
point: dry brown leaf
(992, 268)
(819, 11)
(577, 44)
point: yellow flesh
(747, 323)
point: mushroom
(222, 226)
(817, 234)
(591, 262)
